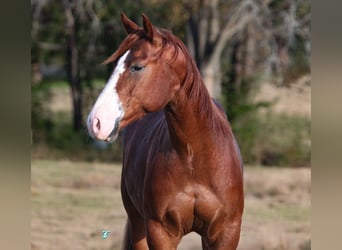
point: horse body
(182, 171)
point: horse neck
(193, 118)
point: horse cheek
(167, 88)
(157, 99)
(157, 96)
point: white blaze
(107, 109)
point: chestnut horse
(182, 170)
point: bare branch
(236, 23)
(37, 7)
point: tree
(67, 27)
(260, 32)
(230, 39)
(72, 62)
(211, 24)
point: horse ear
(128, 24)
(148, 27)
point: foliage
(100, 32)
(274, 140)
(300, 63)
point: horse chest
(178, 198)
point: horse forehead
(139, 53)
(142, 49)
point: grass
(73, 202)
(277, 210)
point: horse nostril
(96, 125)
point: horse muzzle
(104, 125)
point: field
(72, 203)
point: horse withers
(182, 170)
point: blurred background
(254, 56)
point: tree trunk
(250, 51)
(207, 36)
(211, 73)
(72, 65)
(242, 60)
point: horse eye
(136, 68)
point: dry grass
(73, 202)
(294, 100)
(277, 210)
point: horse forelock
(165, 39)
(127, 44)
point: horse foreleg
(204, 244)
(127, 242)
(226, 239)
(158, 238)
(135, 237)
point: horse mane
(195, 88)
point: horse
(182, 169)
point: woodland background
(254, 56)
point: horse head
(148, 72)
